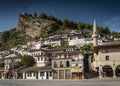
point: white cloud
(113, 23)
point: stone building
(106, 61)
(11, 64)
(68, 65)
(109, 59)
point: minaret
(95, 34)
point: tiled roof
(69, 52)
(55, 49)
(109, 44)
(34, 50)
(34, 68)
(40, 55)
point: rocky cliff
(32, 26)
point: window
(61, 63)
(73, 60)
(55, 64)
(60, 56)
(92, 59)
(70, 38)
(38, 59)
(12, 60)
(34, 74)
(45, 58)
(67, 64)
(107, 57)
(41, 58)
(50, 73)
(79, 37)
(30, 74)
(49, 60)
(41, 73)
(65, 56)
(6, 67)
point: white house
(34, 72)
(42, 60)
(12, 61)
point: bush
(27, 61)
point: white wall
(31, 77)
(45, 77)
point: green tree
(52, 18)
(5, 36)
(114, 33)
(104, 31)
(88, 26)
(43, 15)
(27, 61)
(44, 33)
(1, 64)
(72, 25)
(81, 26)
(69, 24)
(64, 43)
(87, 47)
(65, 23)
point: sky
(106, 12)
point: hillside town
(63, 62)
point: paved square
(101, 82)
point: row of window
(69, 55)
(42, 58)
(61, 64)
(71, 38)
(79, 37)
(29, 74)
(77, 60)
(106, 58)
(35, 54)
(42, 74)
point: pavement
(90, 82)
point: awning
(76, 70)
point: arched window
(61, 63)
(67, 64)
(107, 71)
(55, 64)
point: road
(101, 82)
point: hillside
(33, 27)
